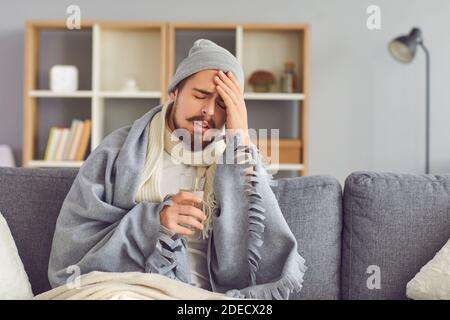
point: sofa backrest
(312, 207)
(393, 225)
(30, 200)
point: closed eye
(219, 102)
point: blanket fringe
(163, 260)
(278, 290)
(282, 288)
(256, 217)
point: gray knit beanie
(203, 55)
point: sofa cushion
(393, 225)
(30, 201)
(312, 207)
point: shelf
(63, 47)
(288, 150)
(269, 50)
(125, 94)
(51, 94)
(286, 167)
(274, 96)
(117, 113)
(53, 163)
(130, 53)
(185, 37)
(57, 112)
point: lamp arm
(427, 98)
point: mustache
(200, 118)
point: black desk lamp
(403, 48)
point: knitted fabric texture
(203, 55)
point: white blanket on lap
(128, 286)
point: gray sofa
(382, 225)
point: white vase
(63, 78)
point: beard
(197, 139)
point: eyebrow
(203, 91)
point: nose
(209, 109)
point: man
(125, 211)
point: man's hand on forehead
(232, 95)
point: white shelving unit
(120, 51)
(149, 52)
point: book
(78, 133)
(61, 143)
(49, 150)
(69, 143)
(84, 141)
(66, 154)
(57, 141)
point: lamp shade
(403, 48)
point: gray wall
(367, 110)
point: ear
(173, 94)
